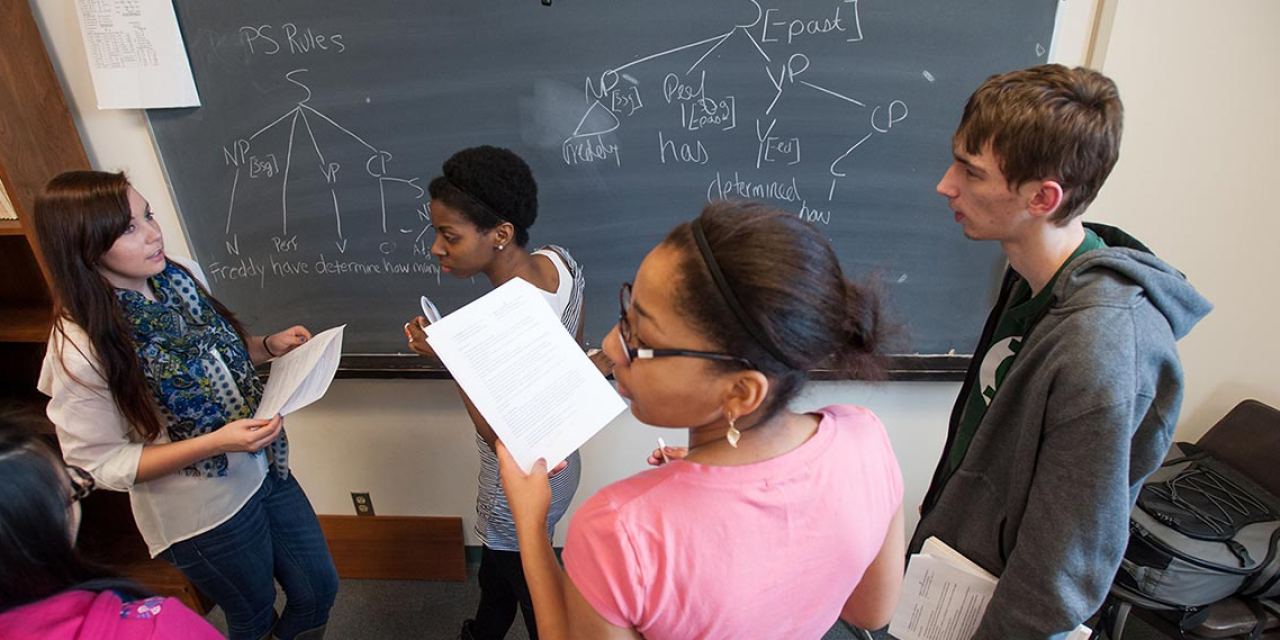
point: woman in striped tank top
(482, 207)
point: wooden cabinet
(38, 140)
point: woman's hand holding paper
(415, 332)
(529, 494)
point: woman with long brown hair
(153, 387)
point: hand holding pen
(664, 454)
(415, 333)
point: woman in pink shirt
(772, 524)
(47, 591)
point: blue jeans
(275, 536)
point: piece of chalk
(662, 448)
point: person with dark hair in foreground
(482, 206)
(153, 389)
(1073, 393)
(771, 523)
(47, 591)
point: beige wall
(1201, 151)
(1189, 183)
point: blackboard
(301, 179)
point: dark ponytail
(862, 356)
(797, 310)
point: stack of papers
(525, 374)
(944, 595)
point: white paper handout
(525, 373)
(302, 376)
(136, 55)
(944, 595)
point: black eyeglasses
(82, 484)
(624, 336)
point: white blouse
(96, 437)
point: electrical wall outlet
(363, 503)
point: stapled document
(525, 374)
(944, 596)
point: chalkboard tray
(898, 368)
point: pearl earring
(501, 247)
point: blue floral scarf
(196, 365)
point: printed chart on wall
(302, 179)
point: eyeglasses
(81, 484)
(625, 335)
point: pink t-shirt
(768, 550)
(88, 615)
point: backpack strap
(1260, 608)
(1193, 618)
(1259, 617)
(1125, 594)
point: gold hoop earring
(733, 435)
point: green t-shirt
(1019, 316)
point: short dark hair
(489, 185)
(37, 559)
(1048, 122)
(789, 282)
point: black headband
(726, 291)
(475, 199)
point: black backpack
(1201, 532)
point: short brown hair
(1048, 122)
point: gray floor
(392, 609)
(425, 610)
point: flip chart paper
(136, 55)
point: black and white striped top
(494, 525)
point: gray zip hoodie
(1086, 411)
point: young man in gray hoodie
(1075, 386)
